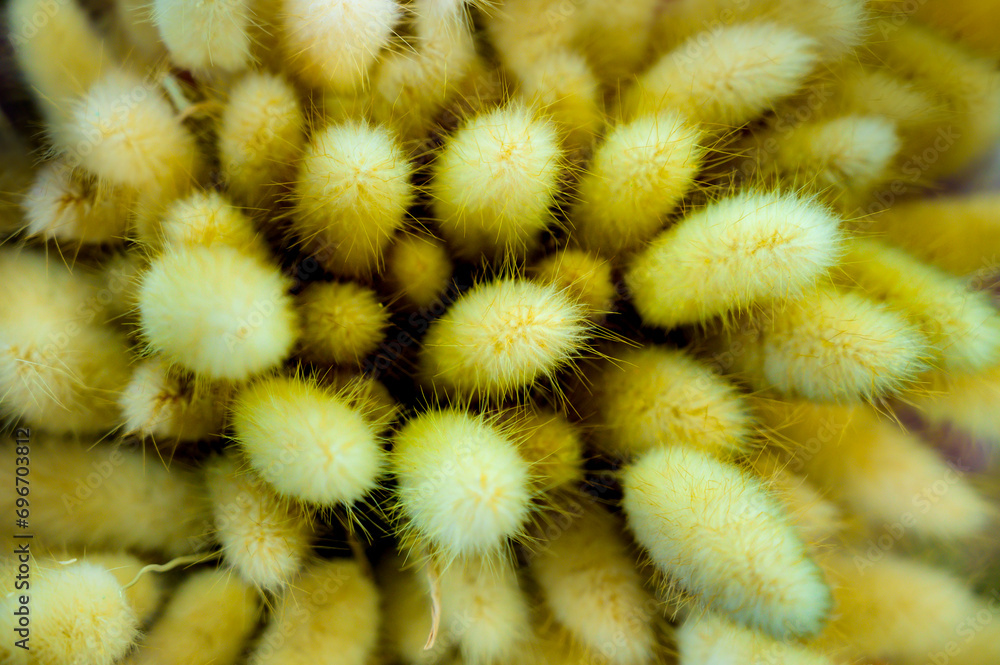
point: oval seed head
(342, 322)
(485, 610)
(170, 405)
(900, 609)
(833, 345)
(749, 248)
(59, 52)
(204, 35)
(707, 637)
(307, 441)
(502, 337)
(843, 158)
(332, 608)
(332, 44)
(418, 270)
(57, 370)
(958, 234)
(95, 496)
(724, 78)
(550, 443)
(563, 86)
(71, 206)
(589, 581)
(879, 470)
(208, 619)
(79, 613)
(264, 538)
(584, 276)
(216, 311)
(656, 397)
(207, 218)
(715, 531)
(494, 183)
(261, 136)
(963, 85)
(963, 325)
(965, 401)
(352, 194)
(124, 131)
(637, 176)
(413, 84)
(463, 488)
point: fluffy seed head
(707, 637)
(484, 609)
(836, 345)
(637, 176)
(216, 311)
(170, 405)
(307, 441)
(716, 532)
(724, 78)
(963, 325)
(494, 182)
(264, 538)
(207, 218)
(342, 322)
(501, 337)
(96, 496)
(418, 269)
(352, 194)
(550, 443)
(879, 470)
(223, 609)
(205, 34)
(80, 614)
(581, 274)
(124, 131)
(846, 156)
(70, 206)
(748, 248)
(463, 488)
(332, 43)
(261, 136)
(656, 397)
(590, 583)
(58, 369)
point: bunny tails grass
(963, 325)
(125, 131)
(205, 35)
(502, 337)
(244, 325)
(79, 614)
(307, 441)
(342, 322)
(748, 248)
(637, 176)
(655, 397)
(717, 534)
(263, 538)
(493, 332)
(463, 487)
(494, 182)
(261, 135)
(724, 78)
(831, 345)
(352, 192)
(332, 44)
